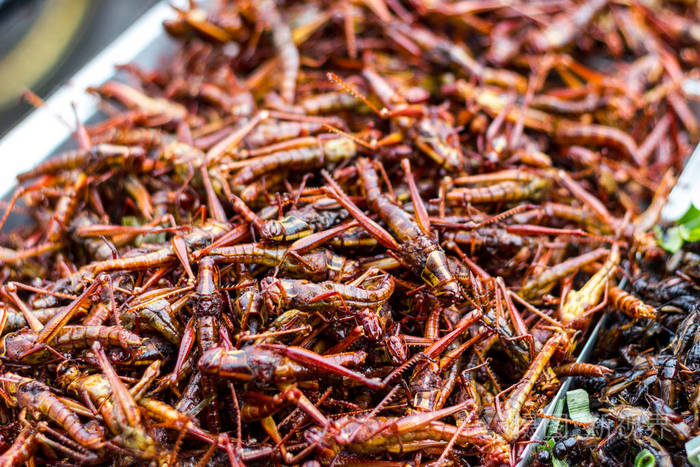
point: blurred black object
(45, 42)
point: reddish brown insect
(397, 266)
(630, 305)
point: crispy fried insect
(326, 296)
(265, 364)
(416, 246)
(299, 223)
(20, 346)
(96, 158)
(302, 154)
(37, 398)
(198, 237)
(630, 305)
(319, 264)
(253, 224)
(411, 432)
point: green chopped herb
(579, 407)
(692, 450)
(546, 446)
(553, 425)
(670, 240)
(686, 230)
(645, 459)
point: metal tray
(542, 423)
(48, 130)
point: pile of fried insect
(345, 232)
(644, 394)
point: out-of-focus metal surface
(45, 42)
(45, 129)
(35, 38)
(686, 191)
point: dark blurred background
(45, 42)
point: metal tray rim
(25, 145)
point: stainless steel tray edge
(542, 424)
(46, 128)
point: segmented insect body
(287, 229)
(198, 237)
(157, 315)
(542, 283)
(22, 449)
(133, 98)
(147, 138)
(88, 160)
(151, 349)
(173, 418)
(217, 28)
(256, 190)
(509, 424)
(324, 296)
(271, 132)
(354, 239)
(319, 264)
(16, 321)
(73, 381)
(486, 237)
(68, 285)
(263, 365)
(239, 104)
(397, 434)
(581, 369)
(97, 391)
(456, 55)
(328, 102)
(432, 132)
(96, 247)
(15, 345)
(419, 250)
(248, 306)
(501, 192)
(599, 135)
(302, 222)
(57, 223)
(564, 106)
(579, 215)
(36, 397)
(287, 50)
(578, 302)
(629, 304)
(432, 138)
(207, 304)
(685, 345)
(431, 383)
(322, 152)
